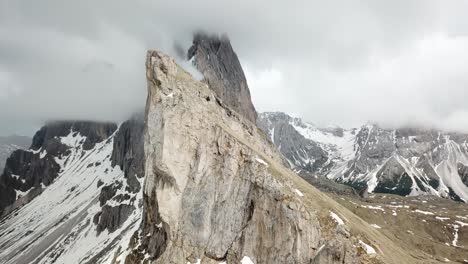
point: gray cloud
(331, 62)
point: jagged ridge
(401, 161)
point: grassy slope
(389, 250)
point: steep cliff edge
(214, 57)
(215, 189)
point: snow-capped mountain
(8, 144)
(197, 182)
(399, 161)
(74, 196)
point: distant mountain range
(403, 161)
(10, 143)
(194, 180)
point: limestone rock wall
(215, 189)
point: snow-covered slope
(74, 219)
(402, 161)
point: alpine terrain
(195, 180)
(405, 161)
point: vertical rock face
(216, 60)
(215, 189)
(128, 150)
(463, 172)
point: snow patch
(298, 193)
(246, 260)
(20, 194)
(373, 207)
(259, 160)
(423, 212)
(455, 235)
(369, 250)
(43, 154)
(337, 219)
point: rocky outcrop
(214, 57)
(112, 217)
(215, 188)
(463, 172)
(128, 155)
(23, 171)
(128, 150)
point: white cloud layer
(332, 62)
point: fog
(344, 63)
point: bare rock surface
(128, 151)
(216, 60)
(216, 190)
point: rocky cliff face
(204, 185)
(75, 195)
(401, 161)
(128, 150)
(293, 145)
(216, 60)
(216, 190)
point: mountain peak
(215, 58)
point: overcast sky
(330, 62)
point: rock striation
(214, 57)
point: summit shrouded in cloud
(396, 63)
